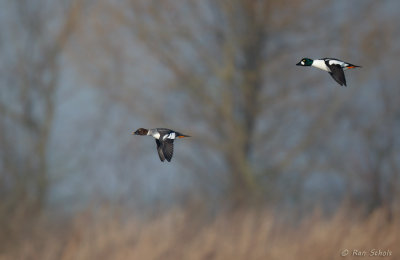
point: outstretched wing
(168, 148)
(160, 150)
(337, 74)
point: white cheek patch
(302, 62)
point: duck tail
(351, 66)
(182, 135)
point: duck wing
(160, 150)
(168, 148)
(337, 74)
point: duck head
(141, 131)
(305, 62)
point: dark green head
(305, 62)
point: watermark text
(366, 253)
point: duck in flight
(335, 67)
(164, 140)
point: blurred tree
(258, 123)
(218, 52)
(380, 163)
(31, 46)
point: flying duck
(164, 140)
(335, 67)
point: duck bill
(298, 64)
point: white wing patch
(337, 62)
(170, 136)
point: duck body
(164, 140)
(334, 67)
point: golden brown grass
(180, 234)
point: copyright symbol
(344, 252)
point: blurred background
(283, 163)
